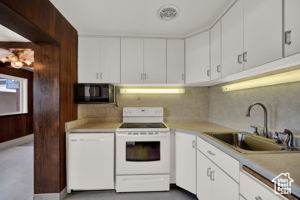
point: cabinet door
(232, 40)
(175, 61)
(88, 60)
(292, 27)
(215, 51)
(186, 161)
(262, 32)
(109, 60)
(197, 58)
(223, 187)
(204, 184)
(131, 60)
(155, 68)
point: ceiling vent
(168, 12)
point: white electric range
(142, 151)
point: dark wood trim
(55, 72)
(266, 181)
(17, 23)
(22, 45)
(4, 64)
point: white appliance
(142, 151)
(90, 161)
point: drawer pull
(258, 198)
(288, 37)
(194, 144)
(208, 172)
(211, 153)
(212, 176)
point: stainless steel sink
(247, 143)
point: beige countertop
(268, 165)
(96, 126)
(201, 127)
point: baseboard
(51, 196)
(16, 142)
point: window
(13, 95)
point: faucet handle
(255, 129)
(277, 138)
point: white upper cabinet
(88, 60)
(197, 58)
(98, 60)
(215, 51)
(292, 27)
(175, 61)
(155, 61)
(232, 40)
(262, 32)
(110, 60)
(132, 60)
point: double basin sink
(247, 143)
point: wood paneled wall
(15, 126)
(54, 76)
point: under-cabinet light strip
(152, 90)
(285, 77)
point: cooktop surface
(143, 125)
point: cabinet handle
(258, 198)
(218, 68)
(245, 56)
(288, 37)
(208, 172)
(212, 176)
(101, 76)
(194, 144)
(211, 153)
(97, 75)
(182, 77)
(208, 72)
(239, 59)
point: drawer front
(250, 188)
(224, 161)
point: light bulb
(13, 58)
(17, 64)
(27, 62)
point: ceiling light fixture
(152, 90)
(17, 57)
(281, 78)
(168, 12)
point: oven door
(143, 154)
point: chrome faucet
(265, 131)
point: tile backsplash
(282, 101)
(192, 106)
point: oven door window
(142, 151)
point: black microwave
(87, 93)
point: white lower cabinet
(212, 182)
(251, 188)
(186, 161)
